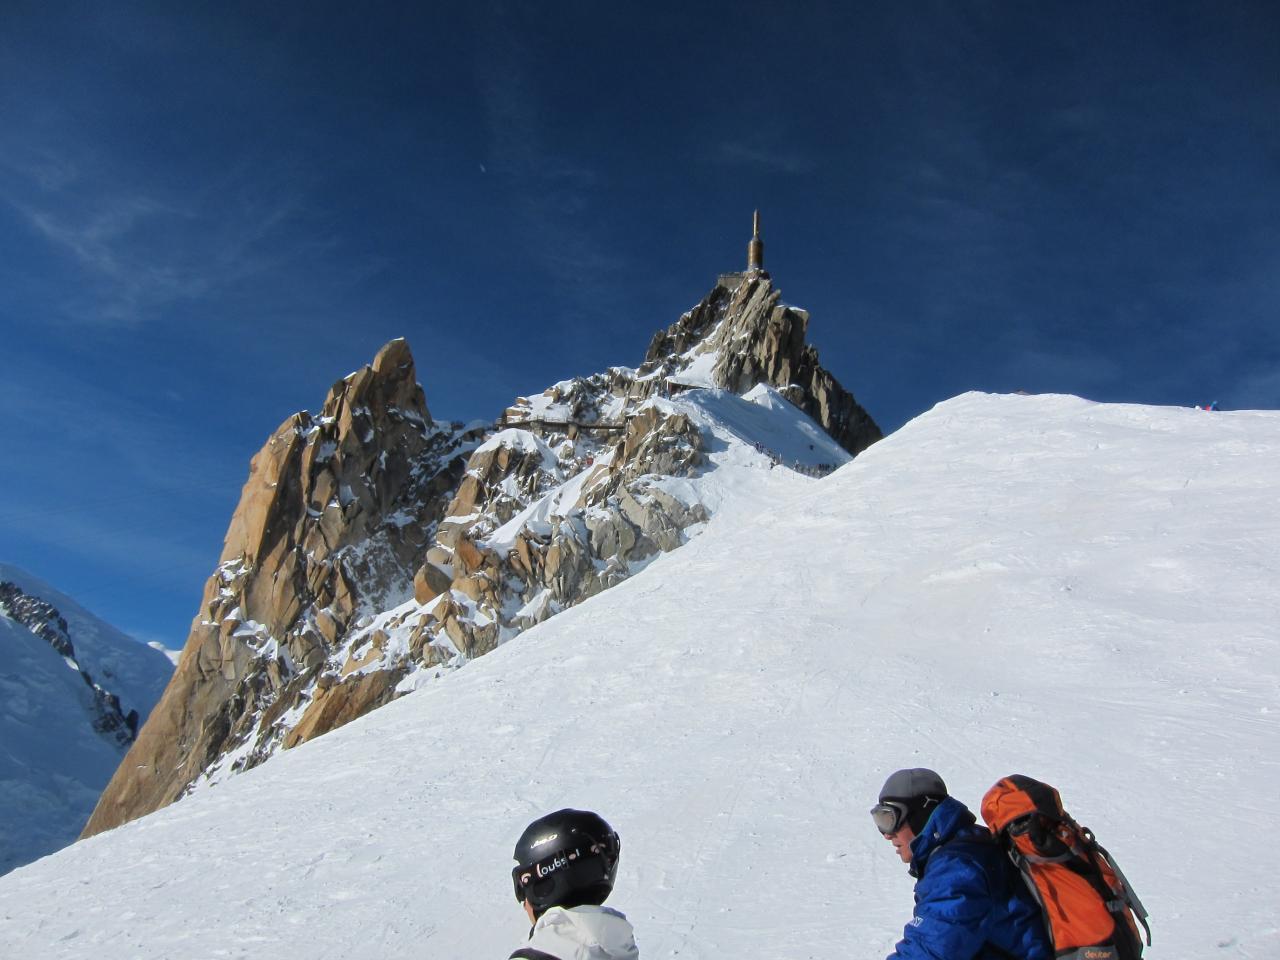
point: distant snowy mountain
(1081, 592)
(73, 692)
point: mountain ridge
(1008, 584)
(372, 546)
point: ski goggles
(522, 878)
(889, 816)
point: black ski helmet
(566, 859)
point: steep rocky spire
(331, 526)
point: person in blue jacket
(971, 904)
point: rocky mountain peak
(741, 335)
(331, 527)
(389, 383)
(39, 616)
(374, 548)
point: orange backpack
(1089, 908)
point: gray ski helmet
(566, 859)
(909, 784)
(921, 789)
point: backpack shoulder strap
(1130, 897)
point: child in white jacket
(566, 863)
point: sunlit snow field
(1083, 593)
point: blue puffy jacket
(970, 902)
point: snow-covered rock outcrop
(373, 548)
(740, 335)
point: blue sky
(211, 212)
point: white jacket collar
(584, 933)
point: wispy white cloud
(129, 280)
(138, 248)
(38, 165)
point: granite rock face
(331, 526)
(374, 548)
(550, 513)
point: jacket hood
(584, 933)
(951, 820)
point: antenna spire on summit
(755, 249)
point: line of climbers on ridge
(1032, 885)
(816, 470)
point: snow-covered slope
(53, 762)
(1080, 592)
